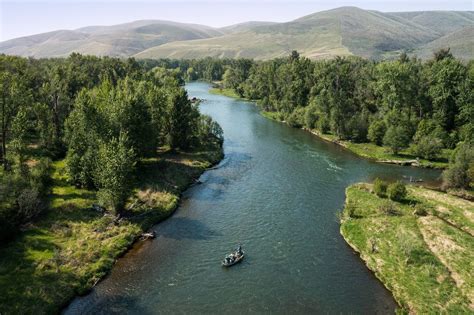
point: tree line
(403, 104)
(102, 115)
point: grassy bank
(226, 92)
(71, 246)
(426, 260)
(377, 153)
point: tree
(13, 95)
(396, 138)
(446, 76)
(460, 173)
(182, 118)
(113, 176)
(427, 147)
(377, 131)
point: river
(277, 191)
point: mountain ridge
(337, 32)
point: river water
(277, 192)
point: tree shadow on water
(110, 303)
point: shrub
(397, 191)
(460, 173)
(388, 208)
(427, 147)
(29, 204)
(380, 187)
(397, 138)
(420, 210)
(377, 131)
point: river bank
(370, 151)
(72, 246)
(421, 250)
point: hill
(341, 31)
(338, 32)
(461, 44)
(118, 40)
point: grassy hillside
(338, 32)
(342, 31)
(425, 259)
(245, 26)
(442, 22)
(460, 42)
(117, 40)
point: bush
(397, 138)
(420, 210)
(460, 173)
(388, 208)
(427, 147)
(380, 187)
(29, 204)
(397, 191)
(297, 118)
(377, 131)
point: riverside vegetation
(401, 111)
(94, 151)
(420, 246)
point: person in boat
(239, 250)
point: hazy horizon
(23, 18)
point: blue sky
(26, 17)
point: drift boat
(233, 258)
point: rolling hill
(121, 40)
(341, 31)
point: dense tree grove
(101, 114)
(403, 104)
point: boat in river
(233, 258)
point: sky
(27, 17)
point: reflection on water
(277, 192)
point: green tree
(460, 173)
(113, 176)
(182, 119)
(396, 138)
(377, 131)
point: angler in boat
(234, 257)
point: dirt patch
(442, 246)
(447, 199)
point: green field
(426, 261)
(71, 246)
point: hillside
(460, 42)
(341, 31)
(118, 40)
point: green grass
(226, 92)
(71, 247)
(425, 261)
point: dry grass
(426, 261)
